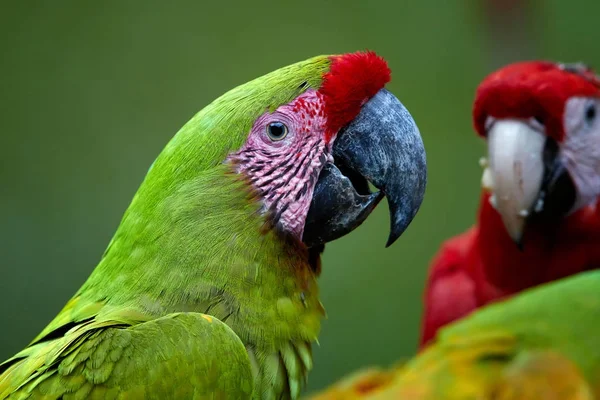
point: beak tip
(401, 216)
(516, 235)
(519, 242)
(391, 239)
(394, 235)
(515, 230)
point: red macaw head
(542, 125)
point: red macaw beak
(515, 171)
(525, 175)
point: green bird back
(542, 344)
(209, 286)
(168, 257)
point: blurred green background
(90, 92)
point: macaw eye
(277, 131)
(590, 113)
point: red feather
(351, 81)
(521, 90)
(483, 265)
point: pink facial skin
(284, 168)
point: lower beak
(382, 145)
(526, 176)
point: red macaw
(538, 218)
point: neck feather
(551, 249)
(204, 247)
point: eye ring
(277, 131)
(590, 113)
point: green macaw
(541, 344)
(208, 288)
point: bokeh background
(90, 92)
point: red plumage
(484, 265)
(351, 81)
(520, 90)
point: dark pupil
(276, 129)
(590, 113)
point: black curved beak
(382, 145)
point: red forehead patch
(533, 89)
(352, 80)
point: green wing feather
(540, 344)
(191, 240)
(181, 355)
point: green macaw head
(307, 139)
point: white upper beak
(515, 171)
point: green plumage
(191, 243)
(540, 344)
(181, 355)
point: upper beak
(525, 175)
(382, 145)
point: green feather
(542, 343)
(184, 355)
(192, 241)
